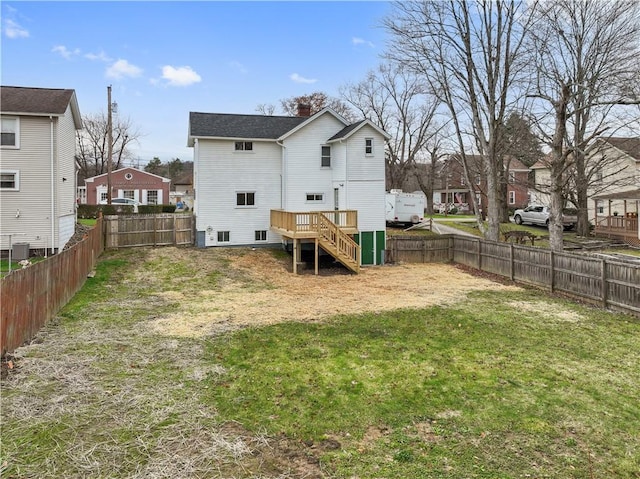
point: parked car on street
(539, 215)
(123, 201)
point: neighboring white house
(249, 167)
(38, 187)
(614, 167)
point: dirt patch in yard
(267, 292)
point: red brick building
(147, 188)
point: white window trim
(255, 199)
(17, 145)
(266, 235)
(228, 240)
(512, 197)
(16, 175)
(307, 200)
(322, 156)
(365, 146)
(243, 150)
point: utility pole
(109, 144)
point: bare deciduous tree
(469, 54)
(316, 101)
(397, 100)
(93, 144)
(586, 59)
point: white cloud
(64, 52)
(361, 41)
(102, 56)
(13, 30)
(180, 76)
(122, 68)
(300, 79)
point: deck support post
(295, 256)
(316, 256)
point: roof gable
(630, 146)
(137, 171)
(311, 119)
(349, 130)
(39, 102)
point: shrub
(149, 209)
(168, 208)
(453, 211)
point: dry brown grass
(304, 297)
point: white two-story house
(314, 180)
(38, 166)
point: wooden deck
(329, 230)
(624, 228)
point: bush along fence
(33, 295)
(93, 211)
(122, 231)
(610, 283)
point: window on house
(261, 235)
(246, 198)
(512, 177)
(600, 209)
(152, 197)
(10, 180)
(103, 196)
(462, 180)
(10, 133)
(223, 236)
(315, 197)
(368, 146)
(244, 146)
(129, 194)
(512, 197)
(326, 157)
(599, 176)
(478, 179)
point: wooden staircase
(338, 244)
(330, 230)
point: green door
(366, 247)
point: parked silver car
(123, 201)
(539, 215)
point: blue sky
(164, 59)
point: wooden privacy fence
(611, 283)
(33, 295)
(123, 231)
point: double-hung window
(512, 197)
(10, 135)
(368, 146)
(325, 156)
(245, 198)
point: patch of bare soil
(269, 293)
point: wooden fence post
(553, 274)
(603, 279)
(512, 262)
(480, 254)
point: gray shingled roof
(346, 130)
(225, 125)
(49, 101)
(631, 146)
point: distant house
(147, 188)
(182, 189)
(613, 165)
(306, 181)
(452, 187)
(38, 169)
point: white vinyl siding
(220, 174)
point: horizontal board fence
(610, 283)
(33, 295)
(124, 231)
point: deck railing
(624, 228)
(300, 222)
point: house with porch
(313, 182)
(613, 172)
(38, 167)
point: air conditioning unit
(20, 251)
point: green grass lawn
(500, 385)
(87, 221)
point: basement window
(261, 235)
(223, 237)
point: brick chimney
(304, 109)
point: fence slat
(125, 231)
(600, 281)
